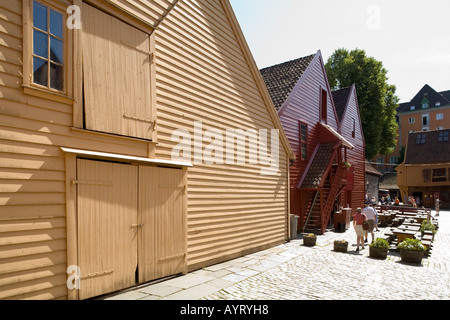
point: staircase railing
(334, 191)
(311, 210)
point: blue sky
(410, 37)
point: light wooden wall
(33, 256)
(202, 75)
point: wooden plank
(106, 239)
(162, 213)
(117, 81)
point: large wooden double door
(131, 225)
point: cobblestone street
(321, 273)
(293, 271)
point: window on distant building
(354, 128)
(425, 120)
(443, 136)
(438, 104)
(413, 108)
(324, 106)
(420, 139)
(439, 175)
(412, 120)
(380, 164)
(393, 163)
(304, 141)
(440, 116)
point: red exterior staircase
(320, 205)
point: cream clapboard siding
(32, 174)
(202, 75)
(149, 12)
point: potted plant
(309, 240)
(340, 245)
(379, 249)
(412, 250)
(426, 226)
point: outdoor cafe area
(401, 223)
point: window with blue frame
(48, 47)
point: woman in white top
(370, 213)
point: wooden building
(428, 110)
(92, 198)
(304, 102)
(350, 127)
(425, 172)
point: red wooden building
(304, 102)
(350, 127)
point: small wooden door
(162, 240)
(107, 238)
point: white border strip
(103, 155)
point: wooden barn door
(131, 225)
(162, 240)
(107, 236)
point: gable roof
(340, 98)
(429, 150)
(430, 94)
(370, 169)
(281, 79)
(388, 181)
(445, 94)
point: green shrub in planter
(412, 245)
(426, 226)
(412, 250)
(380, 243)
(379, 249)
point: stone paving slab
(294, 272)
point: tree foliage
(376, 98)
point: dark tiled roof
(318, 166)
(431, 95)
(389, 181)
(445, 94)
(340, 98)
(282, 78)
(370, 169)
(430, 151)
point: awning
(344, 141)
(124, 158)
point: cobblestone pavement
(294, 272)
(323, 274)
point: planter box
(340, 246)
(309, 241)
(412, 256)
(378, 253)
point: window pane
(39, 16)
(56, 50)
(56, 77)
(40, 71)
(56, 23)
(40, 44)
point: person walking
(370, 214)
(437, 205)
(376, 217)
(358, 220)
